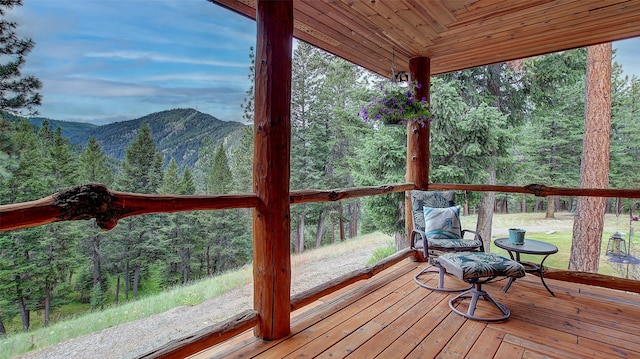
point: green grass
(557, 231)
(190, 295)
(382, 253)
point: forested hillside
(178, 134)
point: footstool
(477, 268)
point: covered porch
(379, 311)
(389, 316)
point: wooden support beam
(417, 139)
(271, 168)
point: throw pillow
(442, 222)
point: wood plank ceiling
(455, 34)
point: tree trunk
(320, 228)
(485, 215)
(594, 171)
(355, 220)
(523, 206)
(551, 207)
(118, 290)
(127, 281)
(341, 222)
(47, 304)
(333, 232)
(95, 257)
(136, 280)
(299, 247)
(24, 314)
(208, 261)
(187, 267)
(3, 330)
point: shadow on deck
(389, 316)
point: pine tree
(594, 169)
(137, 246)
(93, 164)
(229, 242)
(17, 92)
(93, 168)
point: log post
(271, 167)
(417, 138)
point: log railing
(108, 206)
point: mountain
(69, 129)
(179, 133)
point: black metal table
(530, 246)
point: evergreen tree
(382, 158)
(58, 254)
(93, 168)
(137, 245)
(17, 92)
(307, 156)
(22, 280)
(247, 106)
(228, 241)
(93, 164)
(552, 141)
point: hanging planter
(396, 105)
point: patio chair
(437, 230)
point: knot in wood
(86, 202)
(537, 189)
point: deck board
(389, 316)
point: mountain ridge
(179, 133)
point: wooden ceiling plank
(456, 61)
(477, 32)
(458, 7)
(428, 23)
(399, 17)
(399, 40)
(521, 19)
(318, 15)
(481, 10)
(562, 20)
(440, 10)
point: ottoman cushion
(470, 266)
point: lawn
(559, 231)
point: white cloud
(156, 57)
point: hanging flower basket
(396, 105)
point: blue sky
(114, 60)
(102, 61)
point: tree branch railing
(108, 206)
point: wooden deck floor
(389, 316)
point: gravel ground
(141, 336)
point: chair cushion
(435, 199)
(470, 266)
(442, 222)
(455, 244)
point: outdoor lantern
(401, 76)
(617, 245)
